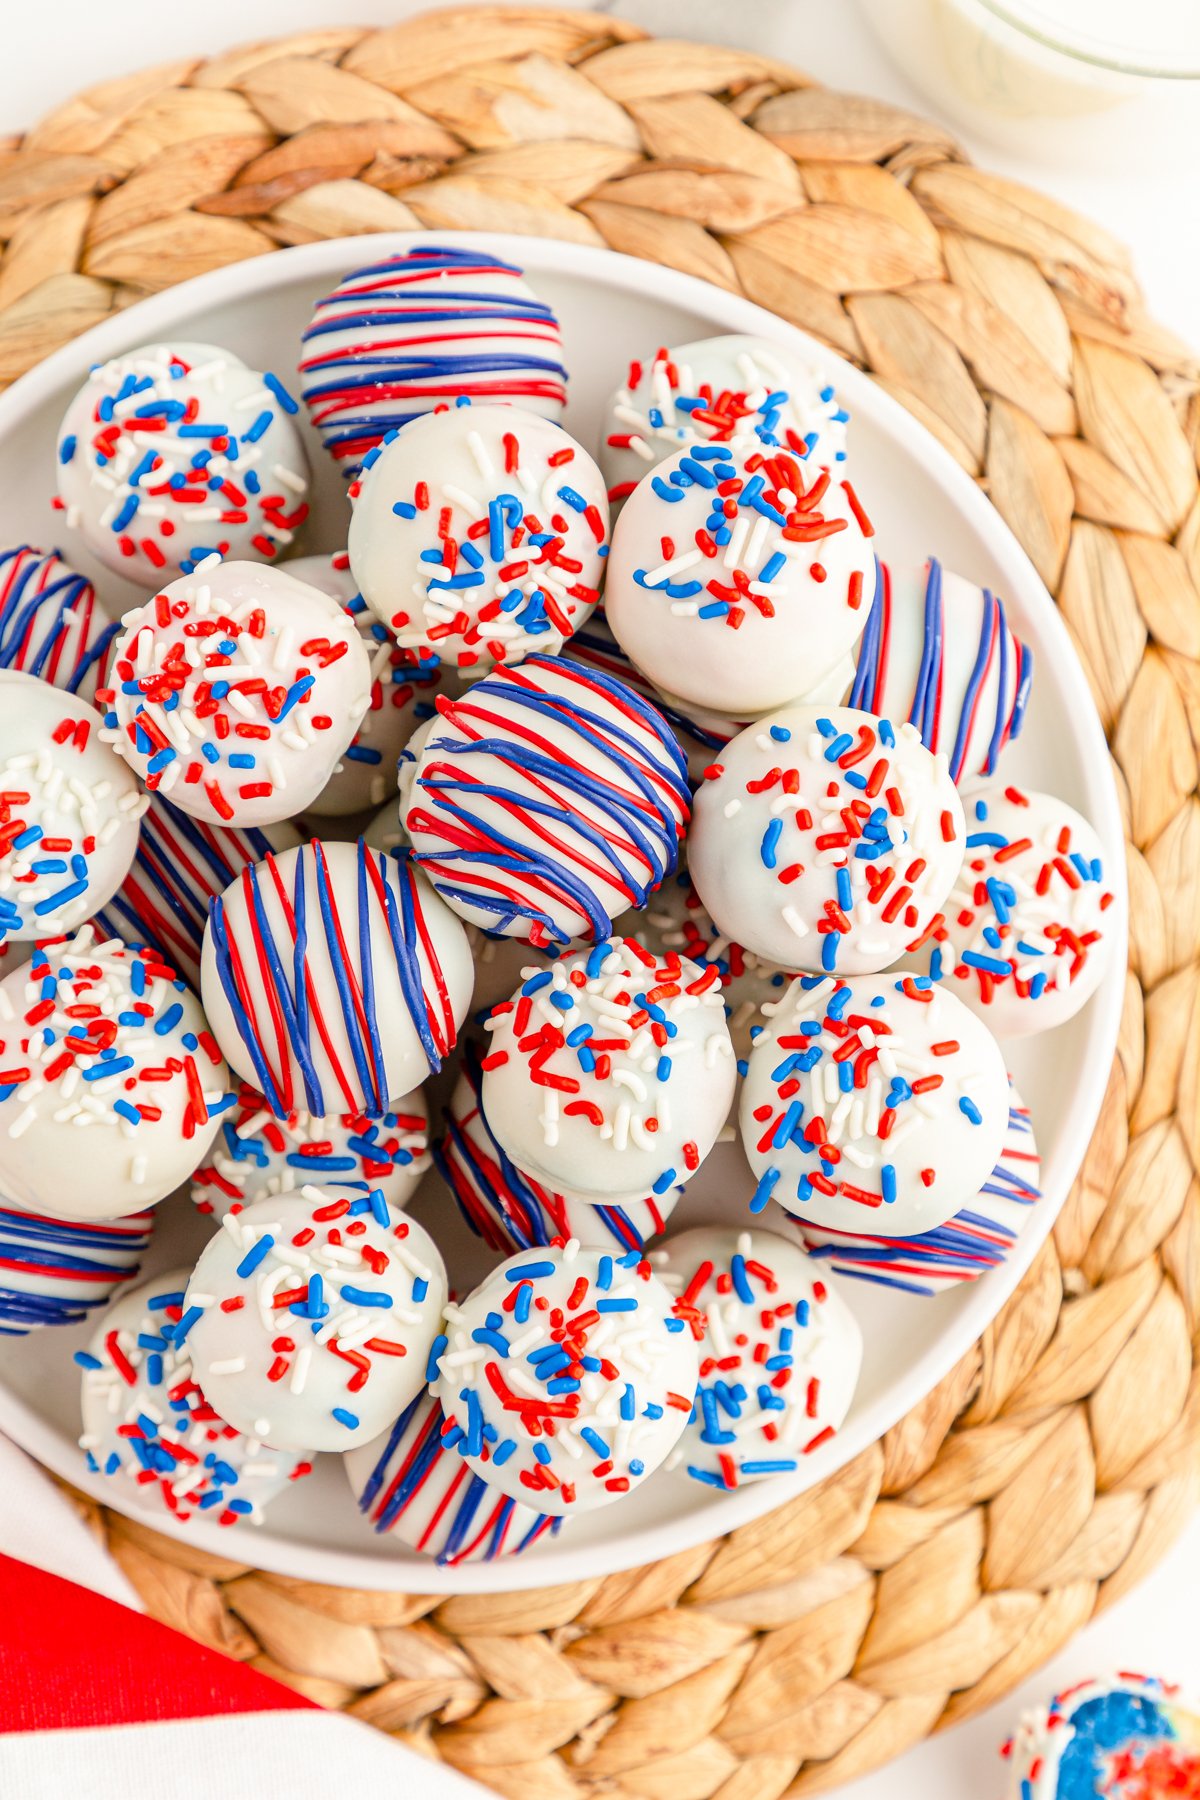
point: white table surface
(49, 54)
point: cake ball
(54, 1272)
(1030, 925)
(1123, 1737)
(335, 979)
(235, 692)
(172, 453)
(827, 840)
(479, 535)
(147, 1426)
(566, 1377)
(415, 331)
(977, 1239)
(740, 391)
(510, 1212)
(111, 1086)
(880, 1099)
(310, 1317)
(546, 801)
(69, 811)
(401, 698)
(780, 1354)
(610, 1074)
(739, 578)
(181, 864)
(407, 1483)
(940, 652)
(255, 1155)
(675, 921)
(51, 624)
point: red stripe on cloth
(71, 1659)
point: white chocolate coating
(638, 1114)
(112, 1085)
(408, 1483)
(401, 698)
(940, 652)
(54, 1272)
(147, 1426)
(580, 1389)
(880, 1101)
(780, 1354)
(336, 1363)
(158, 426)
(1030, 924)
(742, 599)
(1114, 1736)
(51, 623)
(826, 839)
(235, 691)
(510, 1212)
(255, 1155)
(737, 390)
(69, 811)
(545, 801)
(384, 981)
(478, 536)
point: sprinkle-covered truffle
(1122, 1737)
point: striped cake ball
(55, 1272)
(256, 1155)
(51, 624)
(407, 1482)
(181, 864)
(780, 1354)
(414, 331)
(978, 1238)
(170, 454)
(941, 653)
(546, 801)
(149, 1429)
(511, 1212)
(566, 1377)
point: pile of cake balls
(582, 808)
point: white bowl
(612, 308)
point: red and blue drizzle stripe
(99, 1256)
(50, 623)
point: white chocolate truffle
(170, 454)
(780, 1354)
(566, 1377)
(148, 1428)
(415, 331)
(1030, 925)
(409, 1484)
(401, 698)
(310, 1317)
(739, 579)
(55, 1272)
(510, 1212)
(1123, 1737)
(51, 624)
(69, 811)
(255, 1155)
(181, 864)
(827, 840)
(978, 1238)
(479, 536)
(364, 1008)
(879, 1100)
(111, 1087)
(940, 652)
(235, 691)
(545, 801)
(742, 391)
(610, 1073)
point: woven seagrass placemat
(1057, 1462)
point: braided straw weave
(1057, 1462)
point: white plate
(612, 308)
